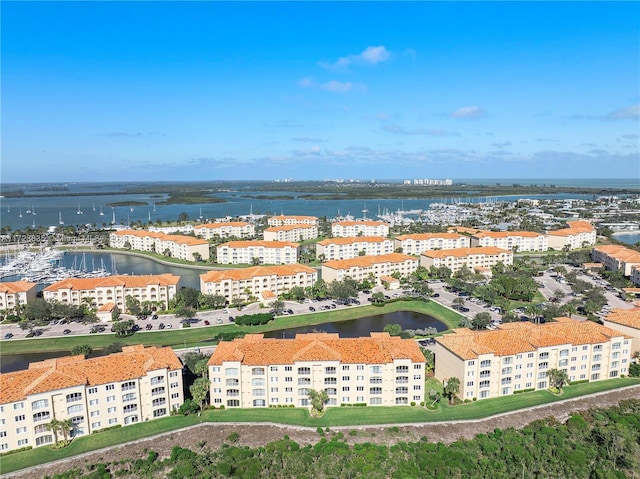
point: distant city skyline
(162, 91)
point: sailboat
(113, 218)
(20, 215)
(200, 217)
(8, 209)
(79, 212)
(94, 206)
(154, 206)
(33, 210)
(60, 222)
(101, 213)
(149, 216)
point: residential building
(291, 233)
(176, 246)
(260, 282)
(419, 242)
(578, 235)
(365, 267)
(254, 371)
(516, 241)
(473, 258)
(352, 247)
(626, 321)
(231, 229)
(359, 228)
(99, 292)
(616, 258)
(264, 252)
(139, 384)
(517, 356)
(16, 293)
(283, 220)
(635, 275)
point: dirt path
(214, 435)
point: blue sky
(105, 91)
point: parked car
(312, 309)
(169, 326)
(231, 319)
(149, 326)
(67, 331)
(8, 336)
(155, 316)
(219, 321)
(206, 322)
(161, 326)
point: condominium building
(365, 267)
(359, 228)
(616, 258)
(352, 247)
(283, 220)
(473, 258)
(232, 229)
(626, 321)
(254, 371)
(265, 252)
(291, 233)
(159, 289)
(261, 282)
(635, 275)
(16, 293)
(516, 241)
(517, 356)
(139, 384)
(578, 235)
(182, 247)
(417, 243)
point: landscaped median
(334, 417)
(201, 336)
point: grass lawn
(203, 335)
(334, 417)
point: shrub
(413, 403)
(233, 437)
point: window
(258, 382)
(94, 402)
(158, 402)
(331, 391)
(21, 430)
(35, 405)
(530, 355)
(20, 405)
(597, 347)
(304, 371)
(544, 355)
(95, 413)
(113, 420)
(471, 363)
(345, 367)
(19, 418)
(402, 400)
(375, 401)
(375, 380)
(506, 370)
(346, 378)
(128, 386)
(231, 372)
(564, 353)
(176, 395)
(469, 384)
(23, 442)
(174, 385)
(258, 392)
(401, 369)
(288, 390)
(129, 408)
(48, 439)
(233, 392)
(41, 416)
(93, 390)
(74, 409)
(402, 390)
(95, 425)
(130, 419)
(111, 398)
(507, 360)
(485, 364)
(330, 370)
(160, 412)
(484, 384)
(129, 397)
(214, 369)
(257, 371)
(375, 390)
(111, 387)
(288, 368)
(157, 380)
(360, 367)
(303, 392)
(375, 369)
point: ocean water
(632, 237)
(86, 208)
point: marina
(47, 266)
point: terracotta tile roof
(353, 240)
(428, 236)
(60, 373)
(88, 284)
(233, 224)
(256, 271)
(289, 227)
(293, 217)
(266, 294)
(464, 252)
(507, 234)
(265, 244)
(620, 253)
(389, 279)
(519, 337)
(625, 317)
(464, 229)
(13, 287)
(364, 223)
(179, 239)
(107, 307)
(575, 227)
(253, 349)
(367, 261)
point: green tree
(393, 329)
(557, 378)
(277, 306)
(318, 399)
(83, 349)
(123, 328)
(481, 320)
(458, 302)
(184, 312)
(199, 390)
(430, 359)
(133, 305)
(452, 388)
(377, 297)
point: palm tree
(54, 427)
(452, 388)
(557, 378)
(318, 399)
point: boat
(101, 213)
(33, 210)
(20, 215)
(200, 217)
(113, 218)
(94, 206)
(79, 212)
(60, 222)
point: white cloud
(399, 130)
(337, 86)
(629, 113)
(307, 82)
(468, 112)
(370, 56)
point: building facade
(231, 229)
(182, 247)
(283, 220)
(258, 282)
(516, 241)
(98, 292)
(578, 235)
(352, 247)
(626, 321)
(344, 229)
(264, 252)
(139, 384)
(417, 243)
(616, 258)
(473, 258)
(291, 233)
(365, 267)
(258, 372)
(517, 356)
(16, 293)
